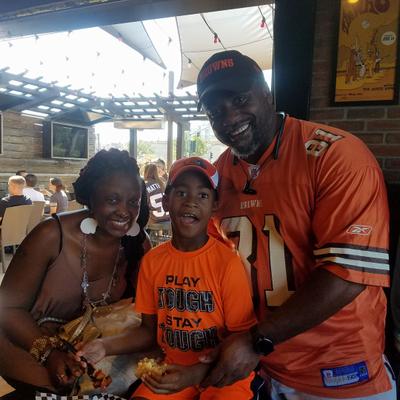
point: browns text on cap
(227, 70)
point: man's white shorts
(280, 391)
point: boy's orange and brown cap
(193, 163)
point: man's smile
(240, 132)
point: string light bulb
(263, 23)
(169, 40)
(216, 38)
(189, 63)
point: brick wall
(23, 149)
(377, 126)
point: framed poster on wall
(367, 52)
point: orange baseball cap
(193, 163)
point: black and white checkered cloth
(100, 396)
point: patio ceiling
(49, 101)
(27, 17)
(135, 35)
(248, 30)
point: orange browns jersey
(197, 296)
(320, 204)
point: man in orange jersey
(306, 206)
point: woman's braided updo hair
(103, 164)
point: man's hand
(236, 361)
(176, 378)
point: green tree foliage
(197, 146)
(144, 150)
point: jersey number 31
(272, 267)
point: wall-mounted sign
(367, 52)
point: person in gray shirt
(59, 196)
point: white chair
(74, 205)
(13, 228)
(36, 214)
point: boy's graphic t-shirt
(198, 296)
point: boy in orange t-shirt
(192, 292)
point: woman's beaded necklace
(105, 296)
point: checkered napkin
(99, 396)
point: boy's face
(190, 203)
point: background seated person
(30, 191)
(59, 196)
(21, 172)
(15, 195)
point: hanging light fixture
(263, 22)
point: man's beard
(252, 147)
(246, 152)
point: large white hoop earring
(133, 230)
(88, 226)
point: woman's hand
(63, 368)
(93, 351)
(176, 378)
